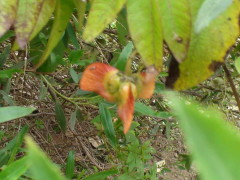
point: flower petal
(93, 79)
(126, 107)
(148, 82)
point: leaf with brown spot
(209, 46)
(27, 15)
(7, 14)
(176, 22)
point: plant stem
(230, 80)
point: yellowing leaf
(27, 15)
(208, 48)
(8, 9)
(62, 15)
(145, 28)
(81, 8)
(102, 13)
(176, 22)
(43, 17)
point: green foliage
(213, 142)
(102, 13)
(147, 33)
(60, 117)
(107, 123)
(198, 35)
(40, 166)
(14, 112)
(15, 169)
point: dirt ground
(84, 140)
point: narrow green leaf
(74, 75)
(70, 165)
(144, 22)
(8, 73)
(6, 36)
(15, 169)
(81, 8)
(41, 167)
(43, 91)
(102, 175)
(4, 55)
(214, 143)
(73, 120)
(26, 19)
(176, 24)
(72, 36)
(7, 14)
(101, 14)
(62, 15)
(210, 10)
(7, 98)
(147, 111)
(122, 27)
(14, 112)
(16, 144)
(237, 64)
(60, 117)
(122, 60)
(107, 123)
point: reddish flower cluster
(116, 87)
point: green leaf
(15, 169)
(6, 98)
(147, 111)
(214, 143)
(26, 19)
(6, 36)
(8, 73)
(210, 10)
(176, 23)
(3, 56)
(16, 144)
(74, 56)
(73, 120)
(62, 15)
(74, 75)
(7, 14)
(101, 14)
(70, 165)
(107, 123)
(237, 64)
(8, 153)
(41, 167)
(44, 15)
(81, 8)
(60, 117)
(122, 60)
(72, 36)
(144, 22)
(43, 91)
(122, 27)
(102, 175)
(14, 112)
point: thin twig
(230, 80)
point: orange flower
(116, 87)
